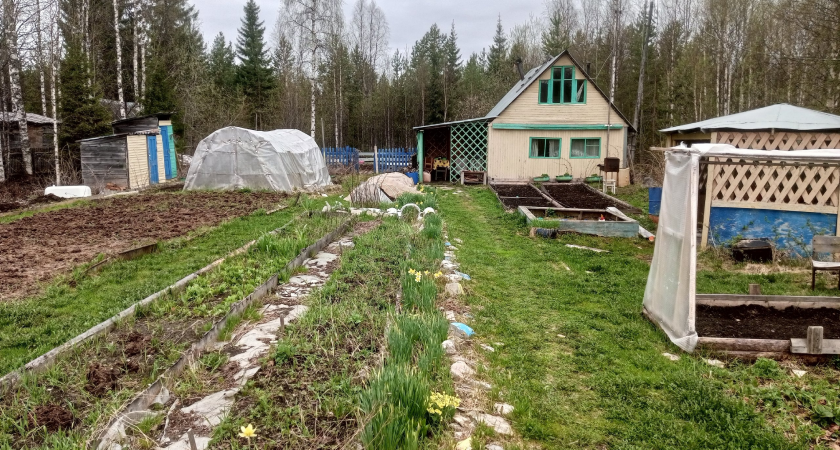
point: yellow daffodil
(412, 271)
(417, 278)
(247, 432)
(438, 401)
(438, 274)
(426, 273)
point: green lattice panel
(468, 148)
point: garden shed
(554, 120)
(670, 298)
(783, 203)
(278, 160)
(125, 160)
(160, 123)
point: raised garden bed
(767, 325)
(580, 195)
(585, 221)
(514, 195)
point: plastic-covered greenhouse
(236, 158)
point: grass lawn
(584, 368)
(71, 305)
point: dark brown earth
(101, 378)
(53, 417)
(515, 202)
(758, 322)
(35, 249)
(577, 195)
(515, 190)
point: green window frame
(585, 148)
(544, 148)
(562, 88)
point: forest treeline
(338, 79)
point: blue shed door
(151, 143)
(164, 133)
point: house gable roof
(779, 117)
(6, 116)
(534, 74)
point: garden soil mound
(35, 249)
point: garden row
(69, 404)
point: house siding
(527, 110)
(161, 162)
(509, 153)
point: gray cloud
(475, 20)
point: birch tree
(118, 49)
(54, 58)
(310, 20)
(11, 15)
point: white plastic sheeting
(670, 294)
(670, 291)
(279, 160)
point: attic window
(562, 88)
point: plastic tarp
(383, 188)
(670, 294)
(670, 291)
(279, 160)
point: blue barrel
(414, 176)
(654, 200)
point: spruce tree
(254, 73)
(82, 114)
(497, 58)
(221, 64)
(555, 37)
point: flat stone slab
(213, 408)
(306, 280)
(321, 260)
(498, 424)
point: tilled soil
(35, 249)
(516, 202)
(759, 322)
(576, 195)
(515, 190)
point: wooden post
(814, 340)
(375, 160)
(755, 289)
(707, 205)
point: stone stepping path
(248, 346)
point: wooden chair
(825, 255)
(427, 163)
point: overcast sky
(408, 20)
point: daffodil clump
(439, 401)
(418, 275)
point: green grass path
(605, 384)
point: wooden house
(782, 203)
(141, 152)
(554, 120)
(40, 131)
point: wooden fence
(392, 159)
(43, 161)
(342, 156)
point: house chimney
(588, 66)
(518, 64)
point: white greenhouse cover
(279, 160)
(670, 294)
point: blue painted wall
(790, 230)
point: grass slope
(605, 382)
(31, 327)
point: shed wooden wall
(138, 161)
(136, 124)
(161, 163)
(509, 153)
(104, 161)
(526, 108)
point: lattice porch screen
(468, 148)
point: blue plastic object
(463, 275)
(414, 176)
(447, 244)
(466, 329)
(654, 200)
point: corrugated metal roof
(446, 124)
(6, 116)
(779, 117)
